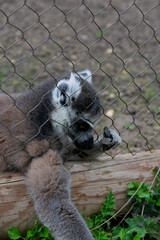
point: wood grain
(91, 181)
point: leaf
(140, 230)
(44, 232)
(14, 233)
(135, 226)
(136, 237)
(30, 233)
(158, 202)
(144, 195)
(119, 233)
(109, 202)
(131, 222)
(133, 185)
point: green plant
(38, 232)
(137, 226)
(141, 224)
(132, 231)
(150, 198)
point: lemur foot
(110, 139)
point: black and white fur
(42, 128)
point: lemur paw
(110, 139)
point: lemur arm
(109, 139)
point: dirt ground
(117, 40)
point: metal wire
(117, 40)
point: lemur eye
(73, 99)
(83, 127)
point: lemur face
(78, 107)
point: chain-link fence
(117, 40)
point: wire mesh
(117, 40)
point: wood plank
(91, 181)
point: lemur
(42, 128)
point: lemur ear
(86, 75)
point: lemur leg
(48, 183)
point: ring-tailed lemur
(42, 128)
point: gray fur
(44, 127)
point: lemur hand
(110, 139)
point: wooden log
(91, 181)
